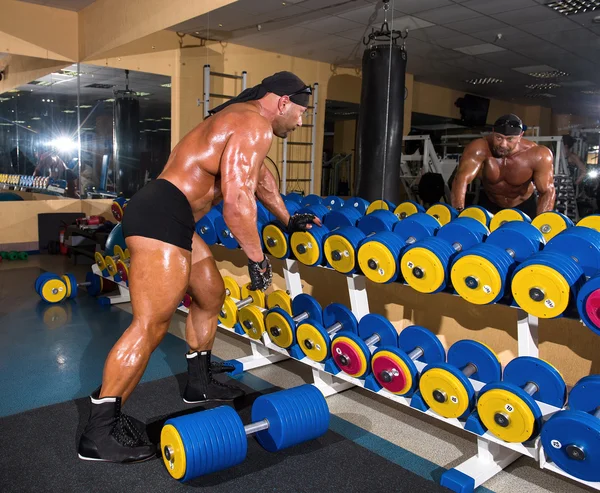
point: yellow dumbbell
(236, 300)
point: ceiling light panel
(570, 7)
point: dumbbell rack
(493, 454)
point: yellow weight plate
(232, 287)
(119, 252)
(126, 253)
(275, 241)
(521, 421)
(457, 397)
(229, 313)
(475, 213)
(549, 224)
(401, 364)
(317, 350)
(405, 209)
(433, 272)
(100, 261)
(362, 360)
(280, 299)
(441, 213)
(377, 205)
(67, 282)
(54, 290)
(552, 284)
(504, 216)
(375, 254)
(170, 438)
(347, 255)
(111, 266)
(311, 247)
(56, 316)
(258, 296)
(592, 222)
(252, 320)
(285, 338)
(481, 270)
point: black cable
(278, 174)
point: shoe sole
(92, 459)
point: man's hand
(261, 274)
(302, 222)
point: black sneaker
(112, 436)
(201, 387)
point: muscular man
(220, 159)
(573, 160)
(512, 171)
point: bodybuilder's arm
(543, 178)
(240, 164)
(468, 168)
(267, 192)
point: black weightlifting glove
(261, 274)
(299, 222)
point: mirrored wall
(95, 131)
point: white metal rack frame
(312, 113)
(493, 454)
(206, 92)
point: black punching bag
(381, 122)
(126, 143)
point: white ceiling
(332, 31)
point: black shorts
(529, 207)
(160, 211)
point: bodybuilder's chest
(512, 171)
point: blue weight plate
(524, 369)
(42, 278)
(459, 375)
(569, 432)
(306, 303)
(318, 210)
(342, 218)
(291, 206)
(590, 286)
(463, 352)
(377, 324)
(336, 312)
(580, 243)
(380, 220)
(224, 234)
(333, 202)
(321, 328)
(465, 231)
(414, 373)
(585, 396)
(205, 227)
(417, 226)
(311, 200)
(74, 288)
(95, 287)
(415, 336)
(361, 205)
(294, 197)
(521, 237)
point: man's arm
(543, 178)
(574, 158)
(242, 158)
(468, 168)
(267, 192)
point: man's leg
(208, 293)
(158, 278)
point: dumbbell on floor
(220, 436)
(570, 437)
(446, 388)
(53, 288)
(281, 326)
(237, 299)
(351, 352)
(393, 368)
(508, 408)
(314, 337)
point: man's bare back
(195, 164)
(511, 169)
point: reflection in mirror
(124, 139)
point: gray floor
(421, 435)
